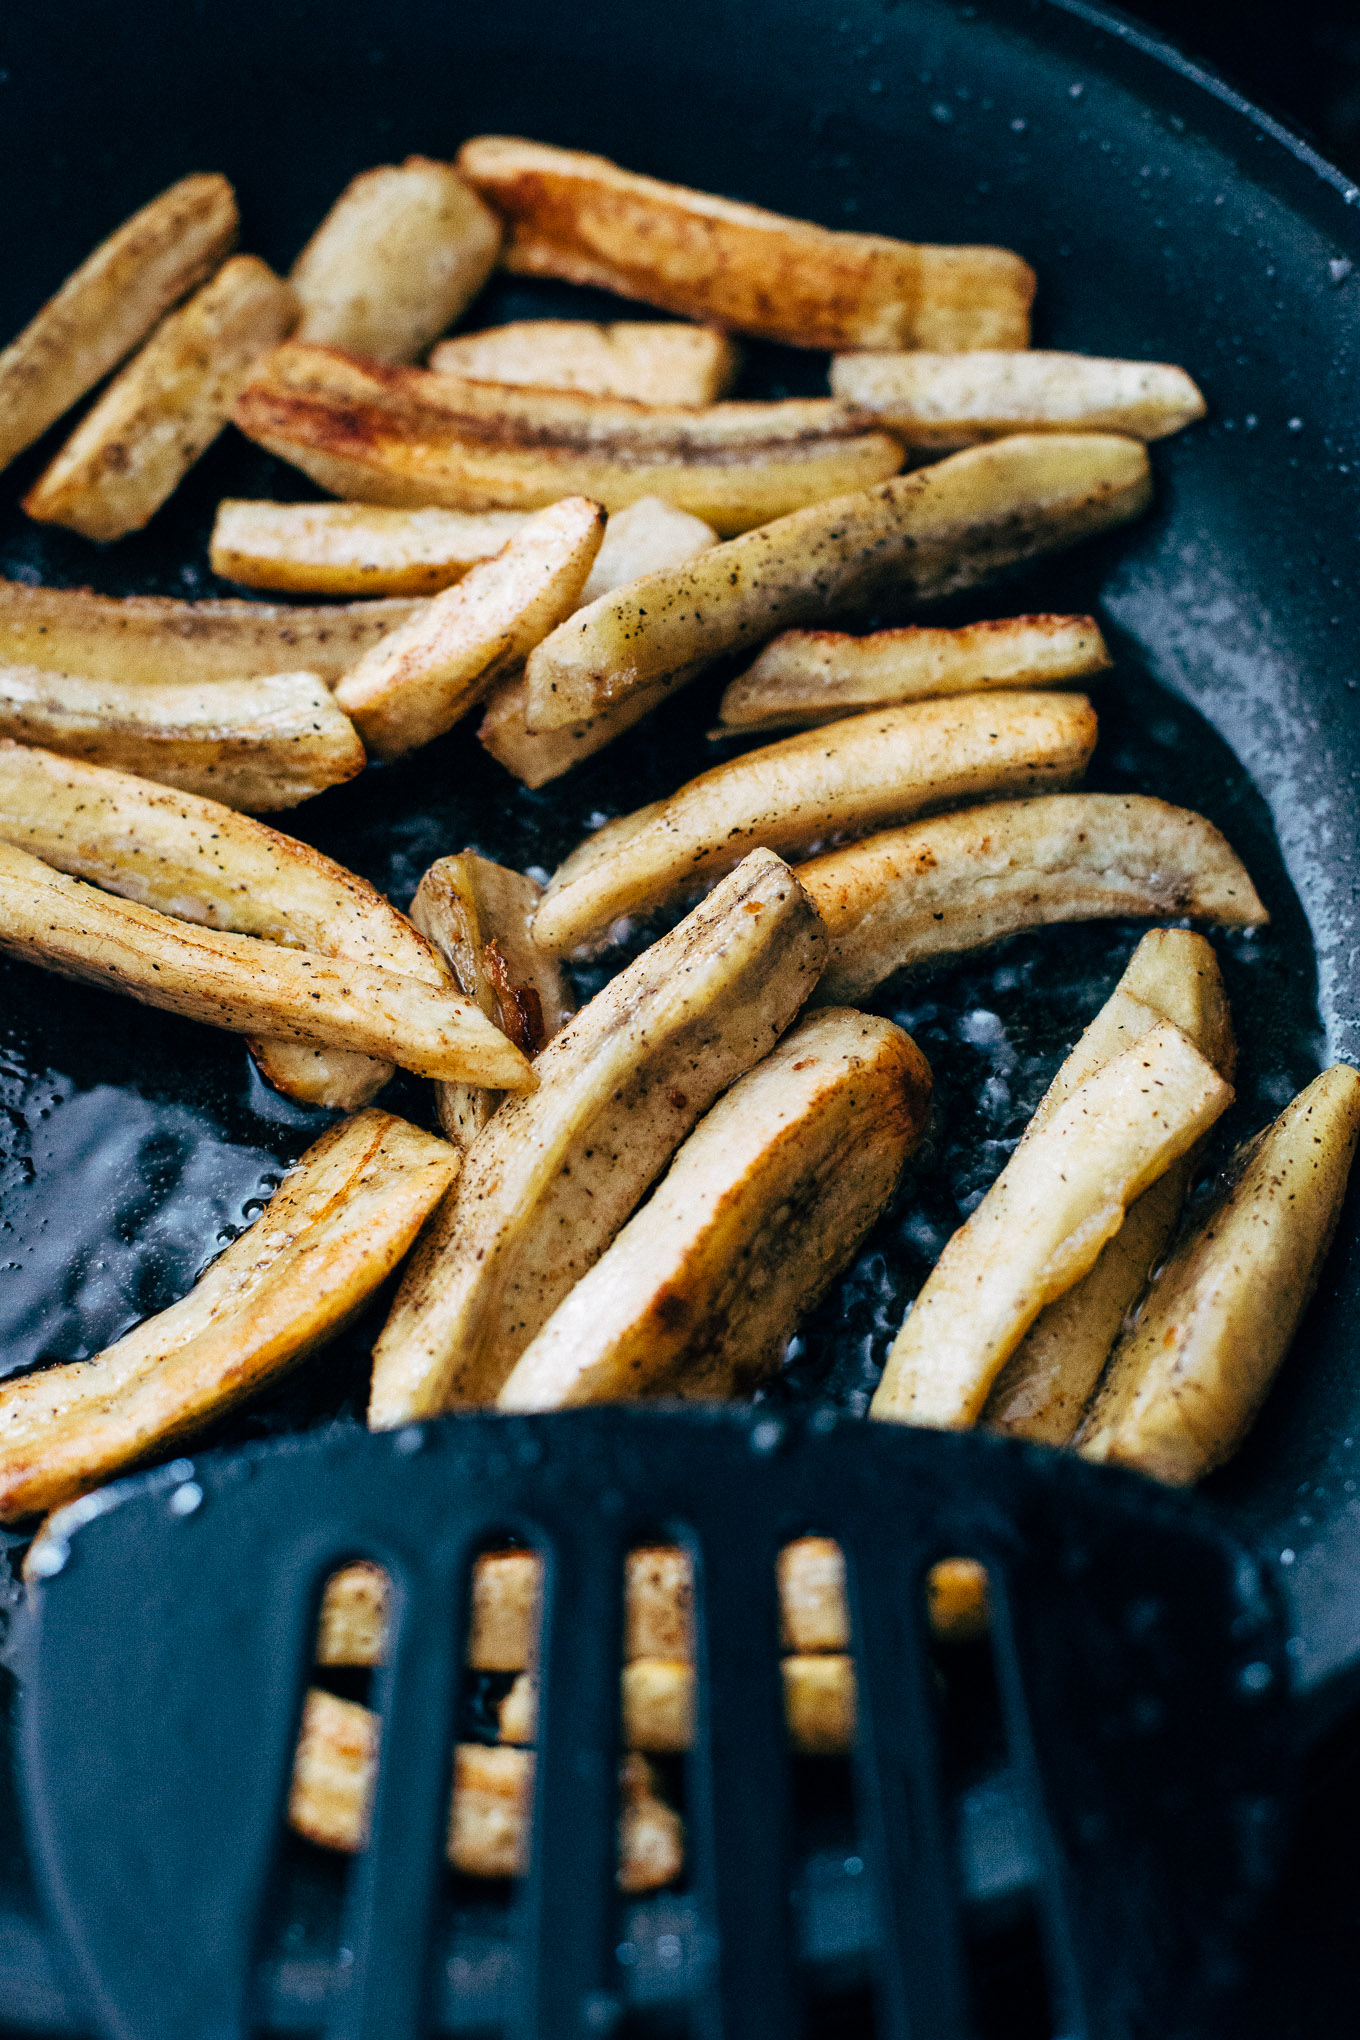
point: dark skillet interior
(1164, 222)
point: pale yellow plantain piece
(1186, 1380)
(477, 916)
(1043, 1389)
(336, 1228)
(944, 401)
(924, 535)
(649, 535)
(1040, 1227)
(168, 643)
(652, 364)
(761, 1208)
(352, 548)
(851, 777)
(108, 305)
(657, 1705)
(407, 437)
(806, 677)
(544, 1191)
(583, 218)
(335, 1768)
(255, 744)
(130, 453)
(416, 683)
(399, 255)
(943, 887)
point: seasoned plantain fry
(944, 401)
(583, 218)
(407, 437)
(649, 535)
(1040, 1227)
(806, 677)
(416, 683)
(338, 1225)
(761, 1208)
(544, 1191)
(110, 303)
(152, 638)
(477, 915)
(1188, 1377)
(932, 533)
(943, 887)
(352, 548)
(132, 451)
(850, 777)
(657, 1705)
(255, 744)
(399, 255)
(652, 364)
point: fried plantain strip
(761, 1208)
(130, 453)
(339, 1224)
(954, 884)
(399, 255)
(583, 218)
(1060, 1197)
(1186, 1380)
(944, 401)
(657, 1705)
(848, 778)
(110, 303)
(932, 533)
(543, 1192)
(416, 683)
(652, 364)
(805, 677)
(352, 548)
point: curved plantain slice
(760, 1209)
(924, 535)
(338, 1224)
(852, 776)
(352, 548)
(942, 401)
(1186, 1380)
(1040, 1227)
(805, 677)
(651, 363)
(544, 1190)
(946, 886)
(257, 744)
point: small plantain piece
(943, 887)
(352, 548)
(761, 1208)
(583, 218)
(849, 778)
(942, 401)
(544, 1191)
(1186, 1380)
(652, 364)
(922, 536)
(657, 1697)
(332, 1233)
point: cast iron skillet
(1166, 218)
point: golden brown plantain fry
(110, 303)
(1188, 1377)
(352, 548)
(132, 451)
(583, 218)
(399, 255)
(944, 401)
(806, 677)
(850, 777)
(760, 1209)
(1040, 1227)
(431, 670)
(255, 744)
(652, 364)
(966, 879)
(543, 1192)
(928, 534)
(336, 1228)
(657, 1705)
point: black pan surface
(1165, 219)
